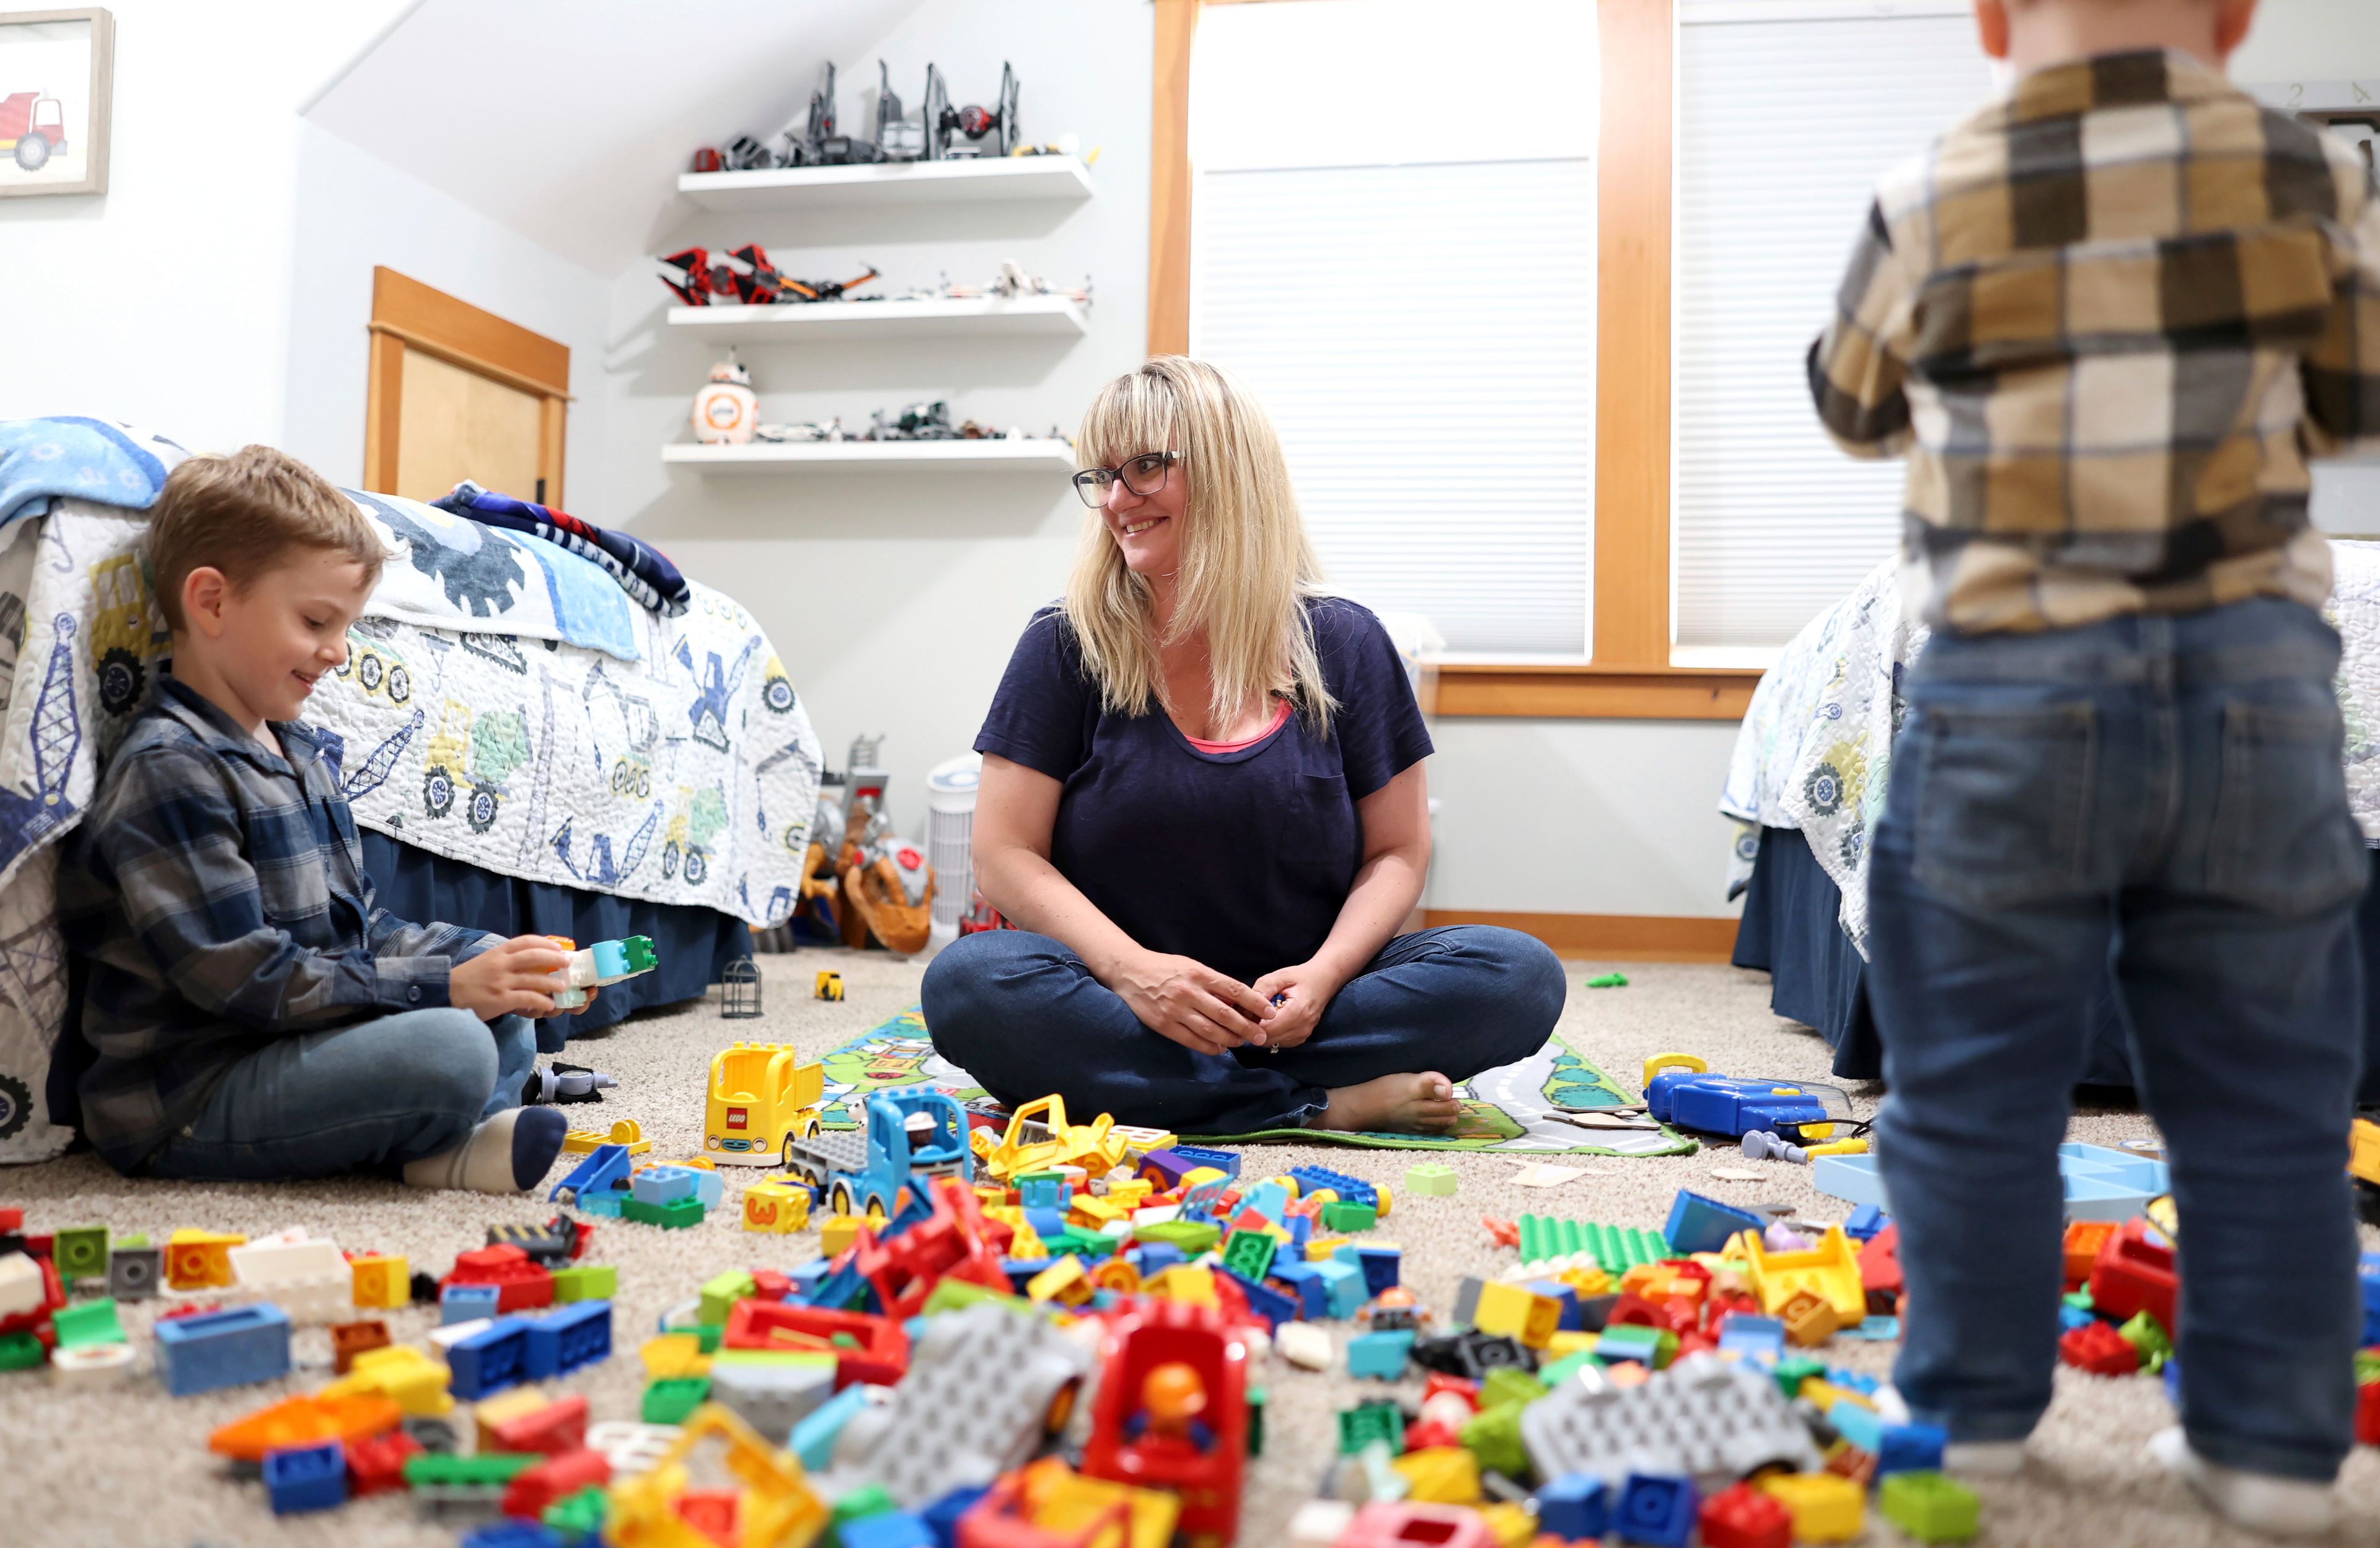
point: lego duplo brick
(1614, 1249)
(80, 1251)
(1705, 1418)
(561, 1342)
(1929, 1507)
(223, 1348)
(135, 1273)
(490, 1360)
(92, 1322)
(585, 1282)
(1702, 1225)
(772, 1392)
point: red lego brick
(866, 1349)
(1879, 1261)
(1633, 1311)
(2100, 1350)
(520, 1284)
(771, 1284)
(376, 1463)
(1741, 1517)
(530, 1493)
(1461, 1387)
(2367, 1413)
(558, 1427)
(2135, 1274)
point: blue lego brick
(896, 1530)
(661, 1185)
(1380, 1354)
(605, 1203)
(839, 1288)
(1875, 1330)
(2173, 1382)
(1038, 1191)
(944, 1515)
(1300, 1228)
(813, 1437)
(491, 1360)
(2368, 1277)
(1268, 1199)
(1576, 1506)
(604, 1166)
(1910, 1449)
(1153, 1258)
(805, 1278)
(1864, 1221)
(1344, 1285)
(1020, 1271)
(1747, 1335)
(1048, 1224)
(223, 1348)
(1860, 1426)
(1574, 1319)
(1379, 1265)
(1655, 1508)
(1264, 1300)
(1701, 1225)
(560, 1342)
(510, 1534)
(708, 1188)
(1852, 1381)
(468, 1303)
(1306, 1283)
(306, 1478)
(1224, 1161)
(2072, 1317)
(2101, 1183)
(1354, 1190)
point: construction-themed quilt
(689, 777)
(1505, 1110)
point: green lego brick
(2079, 1299)
(1493, 1435)
(577, 1518)
(139, 1239)
(585, 1282)
(1616, 1249)
(721, 1294)
(1192, 1237)
(1607, 981)
(1653, 1348)
(1928, 1507)
(93, 1322)
(672, 1215)
(1367, 1422)
(711, 1335)
(1793, 1371)
(1509, 1383)
(487, 1470)
(80, 1253)
(2145, 1334)
(1345, 1214)
(2367, 1366)
(1250, 1252)
(1089, 1246)
(21, 1351)
(669, 1399)
(1256, 1421)
(1566, 1366)
(1430, 1179)
(871, 1499)
(954, 1295)
(638, 952)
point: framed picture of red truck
(55, 73)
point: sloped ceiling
(569, 120)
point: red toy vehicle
(1173, 1413)
(865, 1348)
(33, 127)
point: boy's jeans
(366, 1097)
(2164, 793)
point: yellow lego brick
(1586, 1281)
(1128, 1191)
(1063, 1282)
(837, 1232)
(199, 1259)
(1028, 1245)
(1199, 1176)
(1092, 1213)
(406, 1375)
(628, 1134)
(1830, 1271)
(1509, 1310)
(1189, 1282)
(1323, 1246)
(1825, 1395)
(991, 1196)
(512, 1403)
(775, 1505)
(1061, 1502)
(1511, 1524)
(1117, 1275)
(674, 1354)
(1640, 1279)
(1825, 1508)
(381, 1279)
(1567, 1342)
(1440, 1474)
(1381, 1201)
(2363, 1150)
(776, 1207)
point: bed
(526, 750)
(1807, 780)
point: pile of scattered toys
(1025, 1332)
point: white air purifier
(949, 838)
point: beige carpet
(130, 1468)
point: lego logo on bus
(735, 1117)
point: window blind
(1397, 254)
(1784, 128)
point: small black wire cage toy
(739, 989)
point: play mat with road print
(1505, 1109)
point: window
(1394, 245)
(1788, 112)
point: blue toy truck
(921, 1133)
(1735, 1105)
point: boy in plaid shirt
(249, 1012)
(2108, 319)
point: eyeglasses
(1143, 475)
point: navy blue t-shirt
(1241, 859)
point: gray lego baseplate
(1714, 1419)
(977, 1401)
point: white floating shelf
(959, 182)
(1035, 454)
(824, 321)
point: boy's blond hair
(242, 515)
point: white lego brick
(1304, 1344)
(92, 1365)
(276, 1260)
(21, 1287)
(442, 1340)
(629, 1447)
(1320, 1523)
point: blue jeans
(2164, 795)
(366, 1097)
(1023, 1016)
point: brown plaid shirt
(2109, 319)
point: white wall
(897, 598)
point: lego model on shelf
(926, 316)
(938, 132)
(763, 1095)
(984, 180)
(1039, 454)
(753, 282)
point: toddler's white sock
(507, 1154)
(2260, 1502)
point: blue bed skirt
(694, 945)
(1792, 931)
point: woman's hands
(1190, 1003)
(1294, 999)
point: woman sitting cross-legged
(1203, 806)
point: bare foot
(1422, 1103)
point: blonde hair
(241, 515)
(1246, 565)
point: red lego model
(520, 1283)
(1741, 1517)
(2135, 1274)
(958, 1242)
(1148, 1427)
(880, 1355)
(1391, 1526)
(2100, 1350)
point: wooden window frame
(1629, 675)
(408, 314)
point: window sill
(1582, 691)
